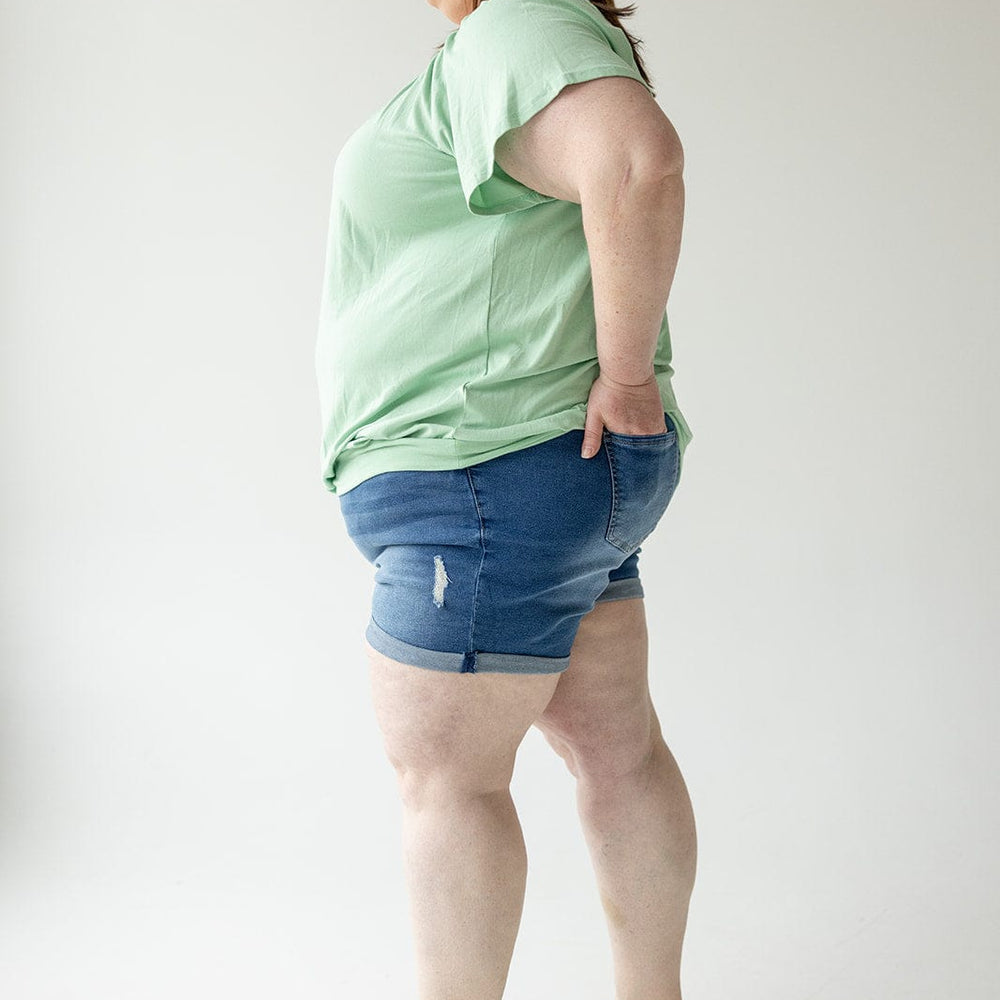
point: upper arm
(587, 136)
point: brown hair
(614, 15)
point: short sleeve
(506, 61)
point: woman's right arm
(606, 145)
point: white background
(193, 794)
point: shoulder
(527, 19)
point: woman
(501, 432)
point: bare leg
(641, 834)
(633, 803)
(452, 739)
(466, 872)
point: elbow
(656, 163)
(637, 171)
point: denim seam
(482, 558)
(609, 531)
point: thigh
(461, 729)
(601, 716)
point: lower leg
(466, 868)
(640, 830)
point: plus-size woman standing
(500, 428)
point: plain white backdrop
(194, 799)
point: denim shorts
(491, 567)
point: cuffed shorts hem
(618, 590)
(472, 662)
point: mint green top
(457, 317)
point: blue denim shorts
(491, 567)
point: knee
(427, 789)
(606, 755)
(433, 770)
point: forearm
(634, 239)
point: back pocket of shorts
(644, 470)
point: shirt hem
(354, 465)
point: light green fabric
(457, 316)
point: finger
(593, 433)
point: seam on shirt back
(489, 291)
(486, 322)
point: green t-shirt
(457, 317)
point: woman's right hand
(623, 409)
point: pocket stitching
(610, 529)
(661, 438)
(610, 534)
